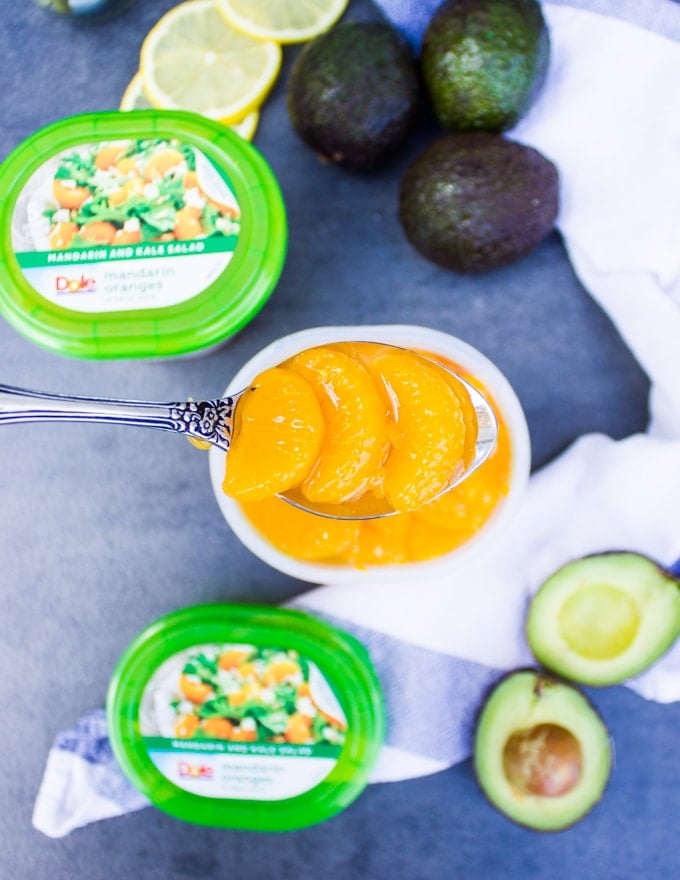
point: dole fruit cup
(154, 234)
(432, 540)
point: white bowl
(424, 339)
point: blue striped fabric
(431, 698)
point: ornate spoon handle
(207, 420)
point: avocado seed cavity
(544, 760)
(599, 621)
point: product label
(131, 224)
(242, 721)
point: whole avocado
(476, 201)
(353, 93)
(484, 61)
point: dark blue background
(104, 529)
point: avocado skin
(484, 62)
(476, 201)
(353, 93)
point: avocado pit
(544, 760)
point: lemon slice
(192, 59)
(135, 99)
(286, 21)
(247, 126)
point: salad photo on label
(128, 192)
(242, 693)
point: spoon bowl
(211, 423)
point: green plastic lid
(145, 234)
(246, 717)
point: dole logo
(194, 771)
(75, 285)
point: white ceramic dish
(408, 336)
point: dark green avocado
(604, 618)
(542, 754)
(353, 93)
(475, 201)
(484, 62)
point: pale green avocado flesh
(542, 754)
(605, 618)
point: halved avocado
(604, 618)
(542, 754)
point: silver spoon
(208, 421)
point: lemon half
(134, 97)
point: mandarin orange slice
(428, 436)
(468, 506)
(356, 439)
(193, 690)
(469, 415)
(233, 657)
(108, 156)
(365, 352)
(379, 542)
(217, 728)
(301, 535)
(99, 232)
(68, 195)
(465, 508)
(161, 163)
(62, 234)
(187, 726)
(427, 541)
(278, 433)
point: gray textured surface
(104, 529)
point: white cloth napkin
(613, 130)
